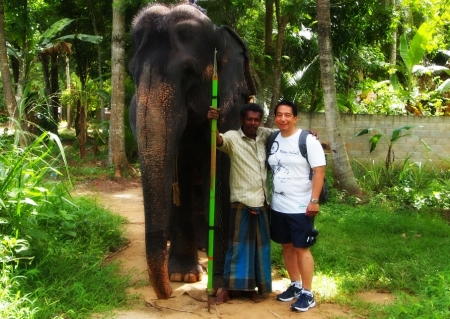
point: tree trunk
(117, 155)
(83, 125)
(6, 75)
(282, 22)
(54, 89)
(68, 86)
(268, 49)
(45, 73)
(393, 44)
(341, 164)
(99, 61)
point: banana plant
(411, 54)
(396, 135)
(44, 44)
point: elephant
(172, 67)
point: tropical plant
(410, 69)
(373, 97)
(396, 135)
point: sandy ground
(189, 301)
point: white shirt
(291, 185)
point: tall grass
(51, 245)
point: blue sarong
(247, 261)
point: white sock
(297, 284)
(308, 292)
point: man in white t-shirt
(295, 202)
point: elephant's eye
(189, 76)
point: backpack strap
(269, 143)
(304, 149)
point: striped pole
(212, 187)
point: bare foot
(221, 297)
(253, 296)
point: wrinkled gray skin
(172, 67)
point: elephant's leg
(199, 213)
(183, 257)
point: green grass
(67, 277)
(71, 277)
(386, 245)
(52, 246)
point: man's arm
(317, 184)
(214, 114)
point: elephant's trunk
(159, 128)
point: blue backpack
(304, 151)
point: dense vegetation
(52, 245)
(395, 239)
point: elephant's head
(172, 68)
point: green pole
(212, 188)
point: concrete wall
(435, 131)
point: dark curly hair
(251, 107)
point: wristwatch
(314, 201)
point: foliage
(14, 305)
(376, 98)
(51, 245)
(412, 54)
(87, 93)
(411, 184)
(396, 135)
(435, 12)
(434, 299)
(22, 186)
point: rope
(175, 187)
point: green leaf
(29, 201)
(396, 133)
(374, 141)
(82, 37)
(36, 233)
(404, 52)
(104, 94)
(51, 32)
(444, 87)
(69, 232)
(363, 132)
(418, 44)
(394, 82)
(425, 144)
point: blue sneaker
(291, 293)
(304, 302)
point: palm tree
(341, 164)
(4, 67)
(117, 155)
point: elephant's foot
(189, 277)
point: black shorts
(291, 228)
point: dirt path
(188, 301)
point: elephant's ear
(246, 66)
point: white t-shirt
(291, 185)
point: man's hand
(213, 113)
(312, 209)
(314, 133)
